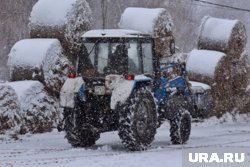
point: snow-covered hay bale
(9, 110)
(228, 36)
(156, 22)
(214, 69)
(240, 74)
(241, 83)
(39, 59)
(39, 111)
(65, 20)
(205, 65)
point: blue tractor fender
(161, 91)
(124, 89)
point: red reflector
(130, 77)
(71, 75)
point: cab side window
(147, 56)
(134, 63)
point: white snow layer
(143, 19)
(217, 29)
(111, 33)
(31, 52)
(203, 61)
(22, 87)
(199, 84)
(51, 12)
(121, 92)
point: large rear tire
(138, 120)
(78, 133)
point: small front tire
(180, 127)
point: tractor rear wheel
(138, 120)
(78, 133)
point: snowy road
(51, 149)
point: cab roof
(114, 33)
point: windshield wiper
(93, 47)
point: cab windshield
(101, 58)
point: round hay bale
(242, 83)
(39, 59)
(65, 20)
(240, 75)
(156, 22)
(228, 36)
(214, 69)
(39, 111)
(10, 119)
(203, 65)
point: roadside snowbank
(227, 118)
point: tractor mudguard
(178, 82)
(124, 88)
(71, 88)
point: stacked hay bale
(212, 68)
(39, 59)
(10, 119)
(56, 28)
(242, 83)
(65, 20)
(156, 22)
(221, 43)
(37, 109)
(228, 36)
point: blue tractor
(121, 85)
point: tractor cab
(118, 52)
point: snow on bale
(10, 119)
(39, 59)
(39, 111)
(65, 20)
(156, 22)
(214, 69)
(228, 36)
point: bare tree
(14, 17)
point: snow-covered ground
(52, 150)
